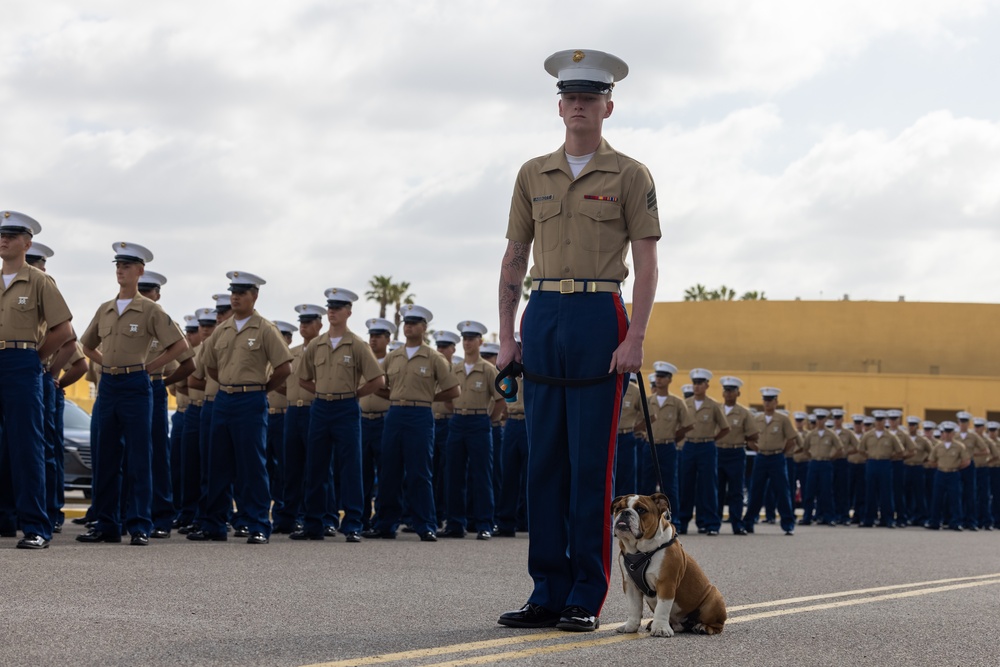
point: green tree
(381, 292)
(526, 288)
(696, 293)
(753, 296)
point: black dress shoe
(578, 619)
(505, 533)
(739, 530)
(93, 536)
(407, 529)
(451, 534)
(702, 531)
(32, 541)
(352, 537)
(79, 521)
(529, 616)
(303, 535)
(257, 538)
(160, 534)
(241, 531)
(57, 528)
(184, 530)
(429, 536)
(140, 540)
(330, 531)
(378, 535)
(202, 536)
(484, 535)
(284, 530)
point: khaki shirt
(631, 414)
(373, 403)
(822, 445)
(709, 419)
(880, 448)
(581, 228)
(211, 386)
(976, 445)
(951, 458)
(30, 306)
(858, 456)
(155, 350)
(444, 409)
(849, 442)
(921, 450)
(905, 440)
(800, 455)
(668, 418)
(741, 426)
(245, 357)
(419, 378)
(341, 369)
(295, 392)
(477, 387)
(994, 446)
(125, 338)
(182, 402)
(774, 435)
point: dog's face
(638, 517)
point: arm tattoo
(515, 265)
(517, 257)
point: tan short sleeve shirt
(341, 369)
(418, 378)
(243, 357)
(125, 339)
(822, 445)
(373, 403)
(709, 419)
(478, 390)
(631, 414)
(949, 459)
(774, 435)
(31, 305)
(741, 426)
(668, 418)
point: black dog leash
(509, 390)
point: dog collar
(638, 563)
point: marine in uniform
(290, 516)
(124, 329)
(914, 475)
(445, 342)
(879, 446)
(732, 451)
(581, 207)
(994, 466)
(194, 462)
(947, 457)
(670, 419)
(373, 409)
(970, 476)
(488, 353)
(822, 445)
(417, 376)
(899, 467)
(277, 408)
(841, 468)
(469, 452)
(698, 470)
(856, 470)
(982, 459)
(776, 436)
(626, 453)
(183, 400)
(512, 506)
(238, 356)
(34, 324)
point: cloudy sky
(807, 149)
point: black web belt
(638, 563)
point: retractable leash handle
(506, 382)
(649, 431)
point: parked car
(76, 449)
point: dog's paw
(628, 627)
(660, 629)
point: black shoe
(578, 619)
(957, 529)
(160, 534)
(453, 534)
(303, 535)
(805, 522)
(140, 540)
(202, 536)
(284, 530)
(378, 535)
(770, 521)
(184, 530)
(971, 528)
(79, 521)
(330, 531)
(711, 532)
(484, 535)
(241, 531)
(352, 537)
(702, 531)
(529, 616)
(407, 529)
(57, 528)
(505, 533)
(257, 538)
(32, 541)
(429, 536)
(739, 530)
(789, 532)
(931, 526)
(93, 536)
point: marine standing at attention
(582, 207)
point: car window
(75, 417)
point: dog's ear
(614, 503)
(662, 504)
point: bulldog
(655, 567)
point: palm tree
(381, 292)
(754, 296)
(696, 293)
(526, 287)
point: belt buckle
(113, 370)
(298, 403)
(3, 345)
(567, 286)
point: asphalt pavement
(825, 596)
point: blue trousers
(572, 432)
(626, 481)
(439, 476)
(407, 448)
(204, 451)
(60, 461)
(292, 510)
(699, 475)
(334, 441)
(801, 476)
(769, 472)
(947, 485)
(995, 486)
(469, 457)
(177, 460)
(856, 489)
(841, 499)
(915, 492)
(163, 488)
(371, 456)
(191, 465)
(666, 454)
(984, 512)
(275, 460)
(969, 496)
(878, 492)
(53, 449)
(819, 492)
(125, 414)
(237, 461)
(898, 492)
(22, 445)
(512, 508)
(732, 471)
(497, 467)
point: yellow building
(927, 359)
